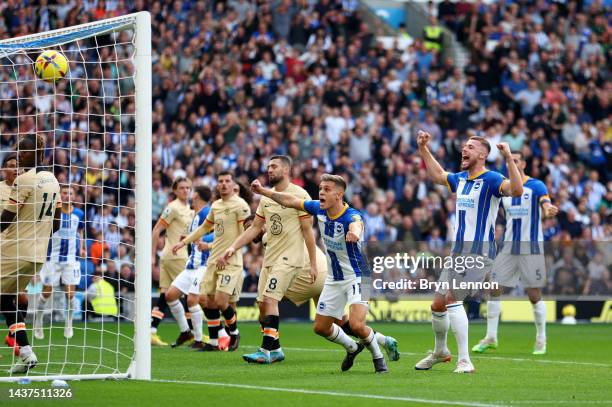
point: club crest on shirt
(338, 229)
(477, 185)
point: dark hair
(203, 192)
(222, 173)
(483, 141)
(336, 179)
(244, 192)
(177, 181)
(285, 159)
(9, 157)
(35, 142)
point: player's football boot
(380, 366)
(224, 343)
(433, 359)
(391, 348)
(234, 342)
(277, 356)
(484, 344)
(347, 363)
(68, 332)
(197, 345)
(156, 340)
(24, 364)
(464, 366)
(208, 348)
(183, 337)
(258, 357)
(539, 348)
(12, 343)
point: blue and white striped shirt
(478, 200)
(524, 218)
(64, 244)
(345, 260)
(198, 258)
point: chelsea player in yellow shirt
(33, 211)
(226, 218)
(288, 230)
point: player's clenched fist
(256, 186)
(352, 237)
(504, 149)
(423, 138)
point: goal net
(87, 305)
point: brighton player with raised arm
(62, 262)
(226, 217)
(342, 230)
(175, 220)
(479, 192)
(522, 256)
(284, 257)
(188, 281)
(27, 221)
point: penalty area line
(331, 393)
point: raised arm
(434, 170)
(514, 187)
(287, 200)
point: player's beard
(274, 180)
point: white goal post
(90, 354)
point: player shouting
(479, 192)
(342, 229)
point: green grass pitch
(576, 371)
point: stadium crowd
(237, 81)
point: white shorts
(70, 273)
(336, 295)
(188, 281)
(530, 269)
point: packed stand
(235, 82)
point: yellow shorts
(235, 297)
(169, 269)
(301, 290)
(229, 281)
(15, 275)
(275, 280)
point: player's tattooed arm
(514, 187)
(287, 200)
(434, 170)
(157, 229)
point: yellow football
(51, 66)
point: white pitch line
(332, 393)
(555, 402)
(545, 361)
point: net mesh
(88, 122)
